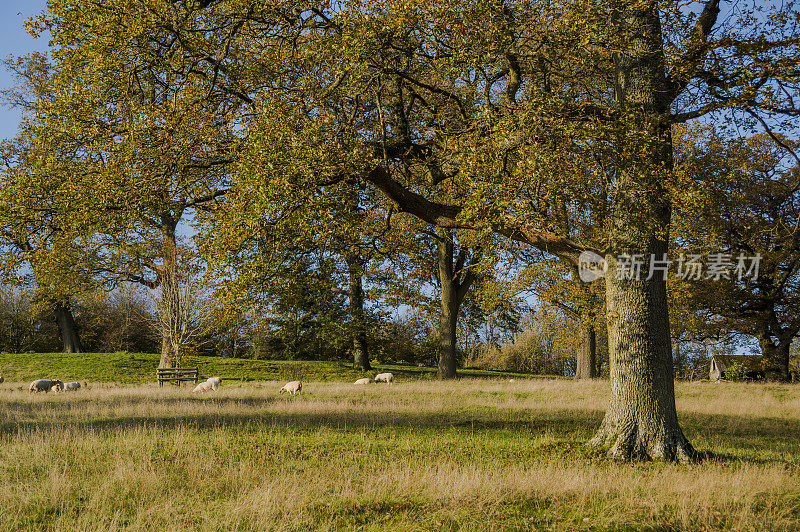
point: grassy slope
(472, 454)
(138, 368)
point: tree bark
(776, 358)
(67, 328)
(586, 356)
(357, 319)
(679, 360)
(167, 358)
(641, 421)
(448, 323)
(168, 279)
(454, 280)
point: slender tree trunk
(67, 328)
(679, 360)
(590, 305)
(641, 420)
(167, 360)
(586, 356)
(359, 326)
(168, 279)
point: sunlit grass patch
(472, 454)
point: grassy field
(473, 454)
(140, 368)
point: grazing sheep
(211, 384)
(292, 388)
(202, 387)
(384, 377)
(72, 386)
(362, 381)
(41, 385)
(58, 386)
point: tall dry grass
(471, 454)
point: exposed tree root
(629, 443)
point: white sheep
(362, 381)
(202, 387)
(293, 387)
(384, 377)
(210, 384)
(72, 386)
(41, 385)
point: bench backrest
(176, 371)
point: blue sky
(14, 40)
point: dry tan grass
(472, 454)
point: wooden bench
(177, 375)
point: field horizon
(123, 367)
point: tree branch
(698, 46)
(445, 216)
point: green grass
(140, 368)
(419, 455)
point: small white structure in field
(742, 366)
(510, 380)
(41, 385)
(362, 381)
(293, 387)
(72, 386)
(384, 377)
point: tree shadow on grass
(741, 426)
(563, 426)
(567, 424)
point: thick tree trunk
(453, 292)
(776, 359)
(359, 326)
(641, 421)
(67, 328)
(586, 356)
